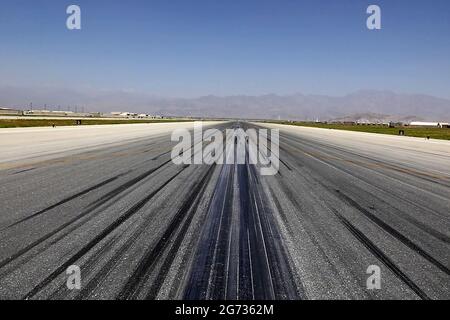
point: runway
(109, 200)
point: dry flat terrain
(110, 200)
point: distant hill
(390, 105)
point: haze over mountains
(362, 104)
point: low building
(49, 113)
(10, 112)
(430, 124)
(122, 114)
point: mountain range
(375, 103)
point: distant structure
(430, 124)
(59, 113)
(132, 115)
(74, 114)
(10, 112)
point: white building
(123, 114)
(430, 124)
(10, 112)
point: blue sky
(198, 47)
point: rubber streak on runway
(141, 227)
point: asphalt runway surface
(110, 200)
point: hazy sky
(223, 47)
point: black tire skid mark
(113, 226)
(281, 275)
(371, 246)
(391, 230)
(418, 224)
(113, 261)
(72, 197)
(374, 250)
(380, 255)
(23, 171)
(71, 222)
(393, 167)
(120, 189)
(214, 231)
(264, 270)
(145, 267)
(61, 291)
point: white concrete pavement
(18, 144)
